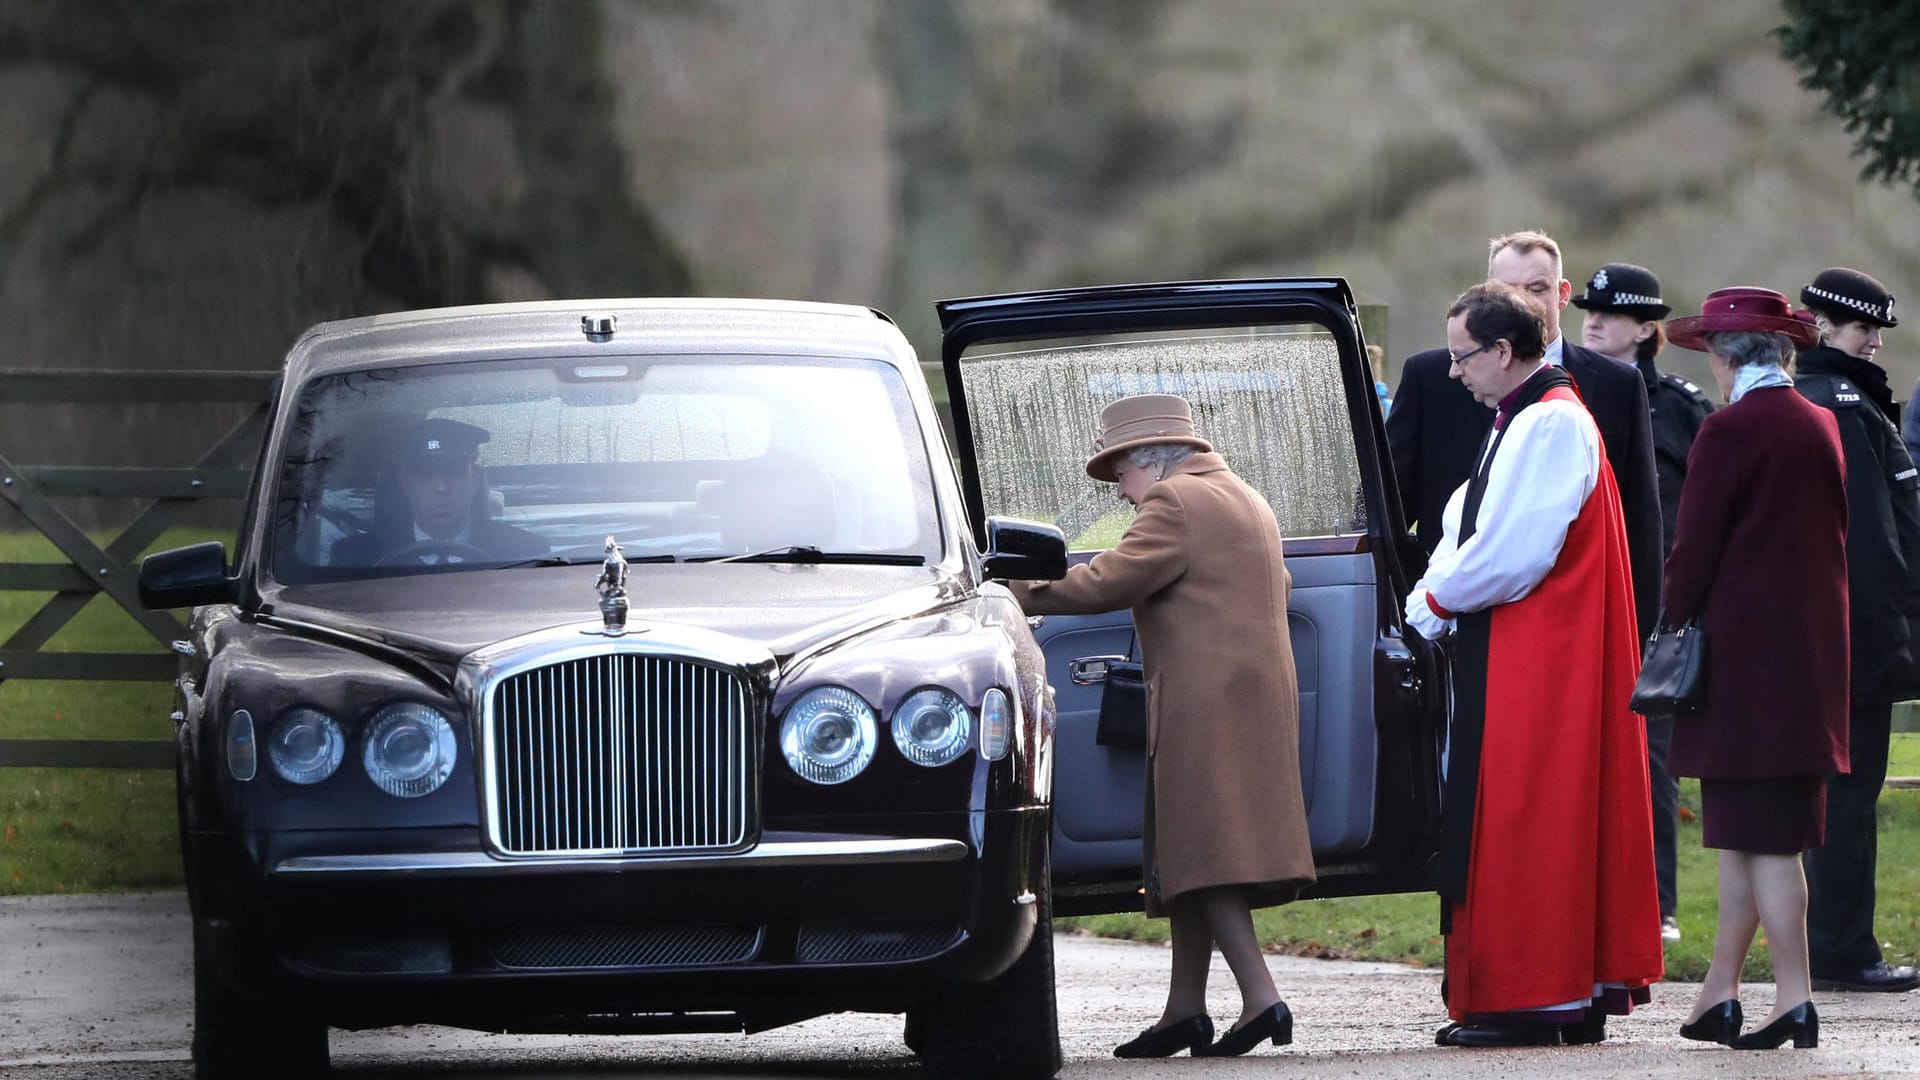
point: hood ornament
(613, 592)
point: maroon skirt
(1771, 815)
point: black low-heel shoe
(1276, 1024)
(1719, 1024)
(1192, 1035)
(1801, 1024)
(1590, 1030)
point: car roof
(549, 328)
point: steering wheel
(420, 549)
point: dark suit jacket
(1760, 556)
(1435, 427)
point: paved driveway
(99, 987)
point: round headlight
(828, 735)
(932, 727)
(996, 724)
(306, 746)
(410, 749)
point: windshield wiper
(567, 560)
(806, 553)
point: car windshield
(489, 463)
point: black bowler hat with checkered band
(1624, 288)
(1847, 295)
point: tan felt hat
(1141, 420)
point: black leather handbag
(1673, 672)
(1123, 706)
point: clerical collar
(1554, 349)
(1504, 411)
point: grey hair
(1159, 456)
(1743, 348)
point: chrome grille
(619, 754)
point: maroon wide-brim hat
(1742, 307)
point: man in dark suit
(1436, 426)
(430, 506)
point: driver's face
(441, 493)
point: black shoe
(1494, 1034)
(1874, 978)
(1192, 1035)
(1719, 1024)
(1588, 1031)
(1276, 1024)
(1801, 1024)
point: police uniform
(1676, 409)
(1883, 586)
(1679, 408)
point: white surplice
(1548, 464)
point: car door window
(1270, 400)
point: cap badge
(433, 444)
(1600, 278)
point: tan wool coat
(1201, 569)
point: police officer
(1624, 309)
(1883, 587)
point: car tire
(240, 1036)
(1007, 1028)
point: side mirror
(187, 577)
(1024, 550)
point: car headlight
(932, 726)
(410, 749)
(306, 746)
(242, 759)
(828, 735)
(996, 724)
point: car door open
(1277, 376)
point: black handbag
(1673, 672)
(1123, 704)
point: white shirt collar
(420, 537)
(1554, 349)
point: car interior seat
(776, 501)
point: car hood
(788, 609)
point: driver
(444, 516)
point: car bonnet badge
(613, 592)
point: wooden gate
(222, 472)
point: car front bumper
(417, 929)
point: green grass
(85, 830)
(1903, 758)
(1405, 928)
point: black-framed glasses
(1466, 356)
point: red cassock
(1558, 874)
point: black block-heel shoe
(1276, 1024)
(1719, 1024)
(1192, 1035)
(1801, 1024)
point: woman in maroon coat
(1759, 557)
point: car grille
(657, 947)
(866, 943)
(620, 754)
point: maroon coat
(1760, 554)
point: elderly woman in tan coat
(1226, 824)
